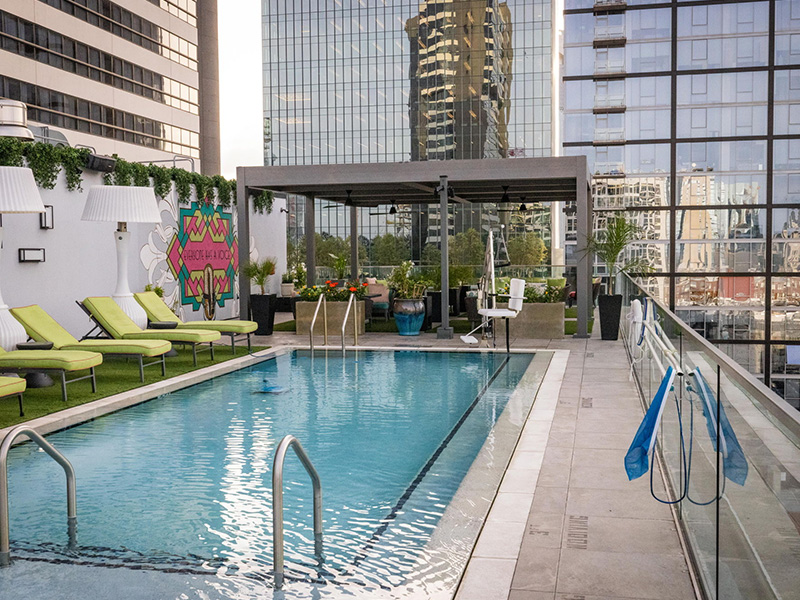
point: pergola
(557, 179)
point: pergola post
(311, 242)
(243, 233)
(445, 332)
(583, 200)
(353, 243)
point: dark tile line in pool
(386, 521)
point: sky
(240, 85)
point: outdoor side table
(36, 379)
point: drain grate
(578, 532)
(586, 403)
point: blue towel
(733, 458)
(636, 459)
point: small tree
(431, 255)
(526, 249)
(390, 249)
(610, 244)
(466, 248)
(259, 271)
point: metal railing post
(72, 515)
(350, 303)
(277, 503)
(322, 301)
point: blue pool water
(182, 484)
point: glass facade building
(690, 114)
(355, 81)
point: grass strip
(115, 375)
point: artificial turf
(115, 375)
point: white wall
(268, 238)
(81, 256)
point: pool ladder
(277, 503)
(351, 303)
(323, 303)
(72, 515)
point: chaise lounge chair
(157, 311)
(52, 361)
(109, 317)
(13, 386)
(41, 327)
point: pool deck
(566, 523)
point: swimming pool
(176, 493)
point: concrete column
(243, 235)
(208, 93)
(585, 259)
(353, 243)
(445, 332)
(311, 243)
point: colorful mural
(203, 256)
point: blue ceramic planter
(409, 314)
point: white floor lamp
(18, 194)
(123, 204)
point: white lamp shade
(130, 204)
(18, 191)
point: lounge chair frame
(62, 372)
(102, 334)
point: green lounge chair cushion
(119, 325)
(381, 305)
(63, 360)
(158, 311)
(43, 328)
(11, 385)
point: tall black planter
(262, 309)
(610, 310)
(436, 305)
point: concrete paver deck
(586, 532)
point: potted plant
(407, 305)
(287, 284)
(340, 266)
(336, 296)
(262, 306)
(608, 246)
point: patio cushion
(49, 359)
(158, 311)
(11, 385)
(120, 326)
(43, 328)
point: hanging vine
(43, 160)
(11, 152)
(183, 184)
(263, 202)
(162, 180)
(73, 161)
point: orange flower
(353, 289)
(328, 282)
(365, 284)
(333, 283)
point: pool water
(181, 485)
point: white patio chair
(516, 296)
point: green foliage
(223, 186)
(12, 152)
(203, 187)
(73, 161)
(326, 245)
(609, 245)
(162, 180)
(461, 275)
(340, 265)
(259, 271)
(466, 248)
(43, 160)
(390, 249)
(550, 294)
(157, 289)
(526, 249)
(263, 202)
(183, 184)
(341, 293)
(431, 255)
(404, 284)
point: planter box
(304, 312)
(539, 321)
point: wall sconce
(46, 218)
(31, 255)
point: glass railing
(739, 508)
(470, 273)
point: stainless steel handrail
(352, 301)
(277, 503)
(786, 415)
(72, 515)
(322, 301)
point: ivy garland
(263, 202)
(45, 160)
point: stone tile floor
(566, 523)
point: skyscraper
(699, 104)
(121, 78)
(401, 80)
